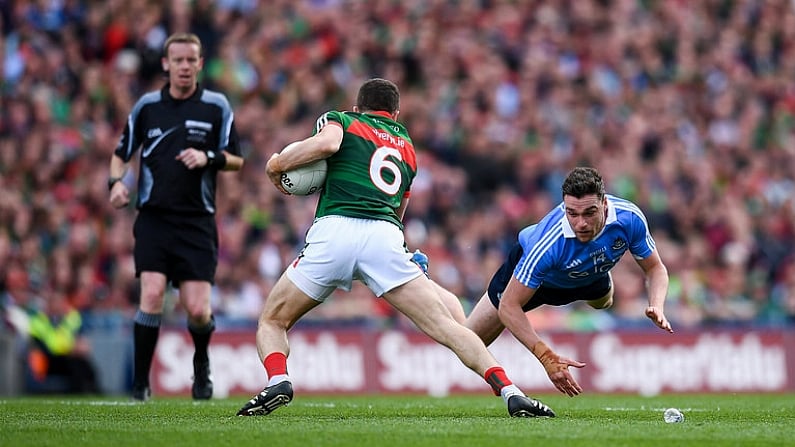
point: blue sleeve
(641, 243)
(534, 263)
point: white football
(304, 180)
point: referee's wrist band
(216, 159)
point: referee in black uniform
(185, 135)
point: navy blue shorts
(544, 295)
(182, 247)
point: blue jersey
(553, 256)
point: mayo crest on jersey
(373, 170)
(555, 257)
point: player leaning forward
(357, 234)
(567, 257)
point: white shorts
(340, 249)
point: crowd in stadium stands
(687, 108)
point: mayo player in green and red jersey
(357, 235)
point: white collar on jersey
(611, 217)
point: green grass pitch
(459, 420)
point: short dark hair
(181, 38)
(378, 95)
(583, 181)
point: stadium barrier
(112, 356)
(11, 377)
(363, 361)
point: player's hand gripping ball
(304, 180)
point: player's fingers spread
(560, 385)
(564, 385)
(575, 363)
(572, 391)
(572, 386)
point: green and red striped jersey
(373, 170)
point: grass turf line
(587, 420)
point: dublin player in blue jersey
(567, 257)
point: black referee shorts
(182, 247)
(544, 295)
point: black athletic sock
(201, 339)
(145, 333)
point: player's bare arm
(321, 145)
(513, 317)
(657, 289)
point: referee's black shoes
(202, 383)
(141, 392)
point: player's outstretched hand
(557, 369)
(562, 378)
(656, 315)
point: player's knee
(198, 315)
(602, 303)
(151, 303)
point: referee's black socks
(201, 338)
(146, 329)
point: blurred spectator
(689, 106)
(50, 337)
(16, 301)
(58, 348)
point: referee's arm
(233, 162)
(194, 158)
(119, 195)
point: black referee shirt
(161, 126)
